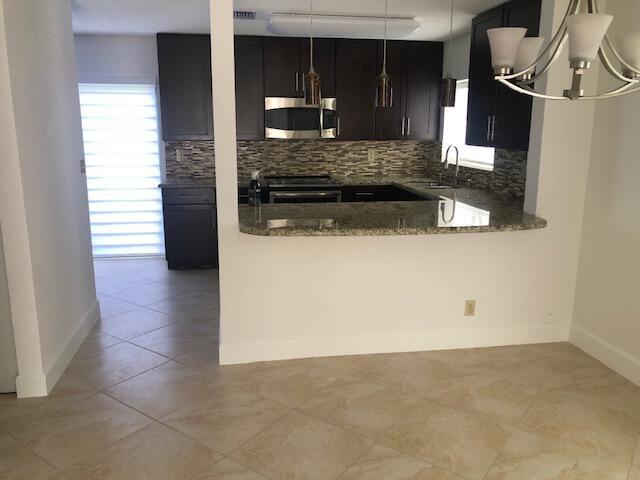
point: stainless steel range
(304, 189)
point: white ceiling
(192, 16)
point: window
(454, 133)
(120, 129)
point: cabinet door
(184, 64)
(356, 73)
(324, 60)
(513, 112)
(249, 88)
(282, 72)
(482, 85)
(390, 121)
(190, 234)
(424, 72)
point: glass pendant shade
(384, 91)
(629, 46)
(312, 88)
(505, 43)
(528, 52)
(586, 32)
(448, 91)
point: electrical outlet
(179, 155)
(371, 155)
(470, 308)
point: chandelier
(518, 61)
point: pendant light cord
(451, 25)
(384, 55)
(311, 40)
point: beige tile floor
(145, 398)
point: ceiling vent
(243, 15)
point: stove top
(302, 181)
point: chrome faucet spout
(446, 161)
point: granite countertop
(188, 183)
(454, 210)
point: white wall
(296, 297)
(43, 203)
(607, 311)
(116, 58)
(456, 57)
(8, 363)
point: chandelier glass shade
(519, 61)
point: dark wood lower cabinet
(190, 232)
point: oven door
(287, 117)
(305, 196)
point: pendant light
(449, 84)
(384, 91)
(312, 88)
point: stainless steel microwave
(287, 117)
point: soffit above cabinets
(192, 16)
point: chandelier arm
(618, 92)
(595, 8)
(616, 54)
(611, 69)
(522, 88)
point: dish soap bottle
(255, 189)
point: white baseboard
(622, 362)
(388, 343)
(40, 384)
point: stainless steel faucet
(446, 162)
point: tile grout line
(516, 427)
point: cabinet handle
(488, 128)
(408, 126)
(403, 118)
(297, 82)
(493, 128)
(338, 126)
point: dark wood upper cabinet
(424, 72)
(282, 70)
(497, 116)
(275, 67)
(415, 69)
(324, 60)
(249, 70)
(513, 110)
(482, 86)
(356, 73)
(391, 121)
(184, 64)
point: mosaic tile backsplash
(365, 159)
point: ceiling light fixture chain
(518, 63)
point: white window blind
(120, 128)
(455, 133)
